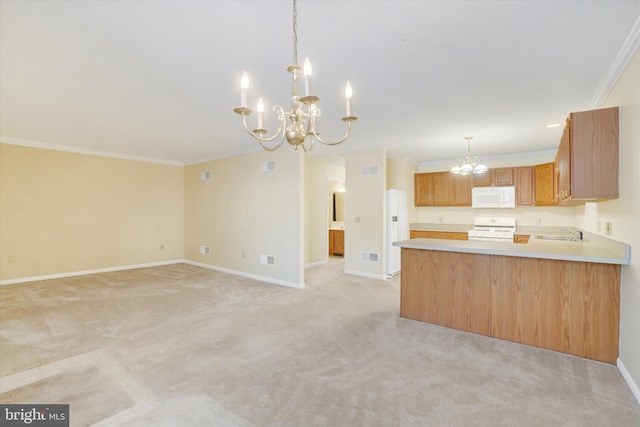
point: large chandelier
(468, 164)
(299, 123)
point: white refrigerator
(397, 228)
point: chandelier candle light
(468, 164)
(299, 122)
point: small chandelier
(468, 164)
(299, 123)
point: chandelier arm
(260, 138)
(346, 135)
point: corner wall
(242, 213)
(64, 212)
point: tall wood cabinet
(588, 162)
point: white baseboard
(630, 382)
(248, 275)
(84, 272)
(316, 264)
(369, 275)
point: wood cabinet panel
(567, 306)
(421, 189)
(588, 160)
(482, 179)
(502, 176)
(543, 177)
(440, 189)
(429, 234)
(336, 242)
(461, 185)
(521, 238)
(594, 154)
(524, 185)
(446, 296)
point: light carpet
(180, 345)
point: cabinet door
(543, 178)
(524, 185)
(520, 238)
(421, 189)
(502, 176)
(461, 190)
(440, 193)
(338, 242)
(482, 179)
(418, 234)
(594, 156)
(331, 242)
(454, 235)
(438, 234)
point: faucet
(578, 234)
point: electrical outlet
(162, 247)
(538, 220)
(357, 219)
(608, 228)
(10, 259)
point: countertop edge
(543, 251)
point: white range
(495, 229)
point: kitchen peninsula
(558, 295)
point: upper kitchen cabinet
(442, 189)
(544, 184)
(588, 157)
(524, 185)
(502, 176)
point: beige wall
(365, 207)
(242, 213)
(64, 212)
(317, 212)
(624, 214)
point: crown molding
(626, 52)
(88, 151)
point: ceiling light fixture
(300, 121)
(468, 164)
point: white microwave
(493, 197)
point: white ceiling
(160, 79)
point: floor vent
(268, 166)
(268, 259)
(369, 256)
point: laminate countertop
(594, 248)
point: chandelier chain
(295, 33)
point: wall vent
(370, 170)
(268, 166)
(205, 250)
(370, 256)
(268, 259)
(205, 176)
